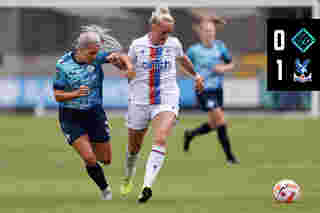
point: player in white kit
(153, 96)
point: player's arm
(227, 66)
(118, 59)
(122, 62)
(187, 67)
(60, 83)
(222, 68)
(61, 95)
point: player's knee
(212, 124)
(106, 162)
(136, 148)
(90, 159)
(160, 139)
(220, 121)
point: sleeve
(190, 54)
(179, 49)
(60, 81)
(227, 58)
(132, 53)
(101, 57)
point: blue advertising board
(31, 91)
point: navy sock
(201, 130)
(225, 142)
(97, 175)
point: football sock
(130, 164)
(224, 140)
(154, 163)
(201, 130)
(97, 175)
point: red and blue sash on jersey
(154, 75)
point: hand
(199, 83)
(130, 74)
(82, 91)
(114, 59)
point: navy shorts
(209, 100)
(75, 123)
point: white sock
(154, 164)
(130, 164)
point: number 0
(278, 46)
(279, 62)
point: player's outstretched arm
(122, 62)
(222, 68)
(187, 67)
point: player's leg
(207, 102)
(137, 122)
(99, 136)
(217, 120)
(132, 155)
(95, 172)
(162, 125)
(104, 155)
(72, 125)
(103, 152)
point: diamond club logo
(303, 40)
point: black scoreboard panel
(293, 50)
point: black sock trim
(225, 142)
(97, 175)
(201, 130)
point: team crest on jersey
(90, 68)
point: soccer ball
(286, 191)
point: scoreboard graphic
(293, 54)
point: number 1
(279, 62)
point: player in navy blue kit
(78, 89)
(211, 59)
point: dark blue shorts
(75, 123)
(209, 100)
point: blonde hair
(102, 38)
(87, 38)
(161, 13)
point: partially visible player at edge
(211, 59)
(78, 89)
(153, 97)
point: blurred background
(32, 38)
(269, 131)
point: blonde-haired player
(153, 96)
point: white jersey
(155, 67)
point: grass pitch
(41, 173)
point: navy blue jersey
(70, 75)
(205, 59)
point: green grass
(40, 173)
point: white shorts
(139, 115)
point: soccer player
(153, 97)
(211, 59)
(78, 89)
